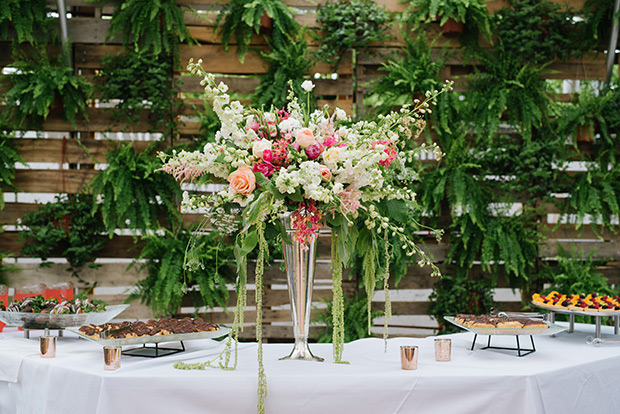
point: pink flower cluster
(306, 222)
(182, 172)
(389, 150)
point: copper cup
(409, 357)
(443, 348)
(48, 346)
(111, 358)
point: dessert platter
(38, 313)
(150, 332)
(580, 304)
(504, 325)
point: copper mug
(409, 357)
(111, 358)
(47, 346)
(443, 348)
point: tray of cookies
(150, 332)
(502, 325)
(591, 304)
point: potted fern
(243, 18)
(8, 158)
(39, 88)
(154, 26)
(453, 15)
(581, 118)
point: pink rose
(266, 168)
(326, 174)
(314, 151)
(304, 137)
(329, 141)
(242, 181)
(267, 155)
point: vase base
(302, 355)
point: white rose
(260, 146)
(332, 155)
(307, 86)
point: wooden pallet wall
(45, 176)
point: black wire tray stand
(516, 332)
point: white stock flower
(307, 86)
(341, 115)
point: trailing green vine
(337, 302)
(260, 263)
(8, 158)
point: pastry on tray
(152, 327)
(502, 322)
(578, 302)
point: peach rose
(260, 146)
(304, 137)
(242, 181)
(326, 174)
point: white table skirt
(564, 376)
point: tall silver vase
(300, 276)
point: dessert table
(564, 375)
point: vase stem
(300, 261)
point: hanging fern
(155, 26)
(40, 86)
(288, 65)
(242, 19)
(408, 77)
(169, 280)
(133, 191)
(28, 18)
(8, 158)
(64, 228)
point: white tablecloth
(564, 376)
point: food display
(54, 306)
(149, 328)
(501, 322)
(578, 302)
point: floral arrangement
(317, 166)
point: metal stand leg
(616, 325)
(27, 333)
(552, 320)
(61, 333)
(598, 327)
(571, 323)
(474, 342)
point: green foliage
(242, 19)
(8, 158)
(506, 87)
(141, 81)
(38, 87)
(407, 77)
(598, 15)
(155, 26)
(130, 187)
(473, 13)
(456, 294)
(575, 273)
(64, 228)
(595, 193)
(536, 31)
(28, 18)
(168, 280)
(349, 25)
(287, 66)
(355, 319)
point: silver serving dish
(140, 340)
(59, 321)
(552, 330)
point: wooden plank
(603, 250)
(51, 181)
(117, 247)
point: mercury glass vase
(300, 262)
